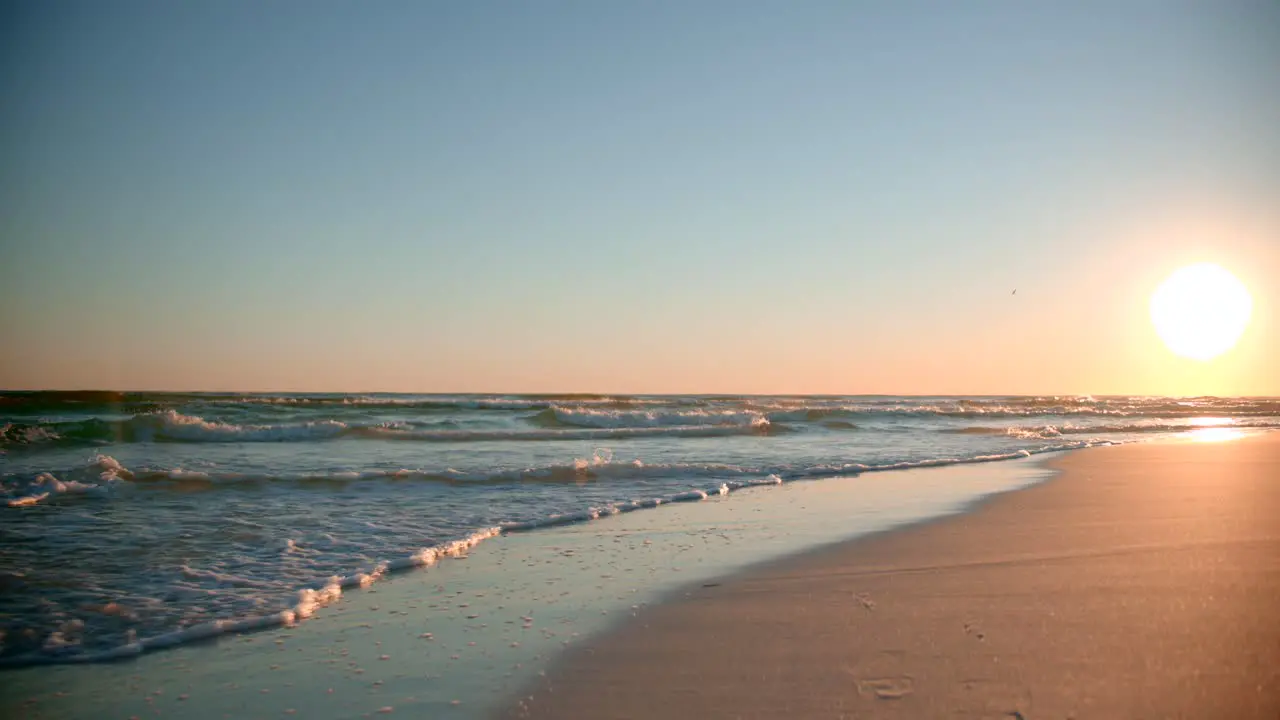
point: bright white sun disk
(1201, 311)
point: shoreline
(915, 622)
(477, 628)
(471, 636)
(313, 599)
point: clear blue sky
(648, 196)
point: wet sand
(1143, 582)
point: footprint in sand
(890, 688)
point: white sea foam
(530, 435)
(436, 402)
(27, 434)
(1143, 426)
(595, 418)
(94, 478)
(172, 425)
(59, 644)
(309, 600)
(28, 500)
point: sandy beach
(1142, 582)
(463, 361)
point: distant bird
(1015, 291)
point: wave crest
(1120, 428)
(559, 416)
(172, 426)
(104, 473)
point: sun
(1200, 311)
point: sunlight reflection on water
(1216, 434)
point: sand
(1142, 582)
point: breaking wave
(594, 418)
(1138, 427)
(104, 473)
(63, 645)
(172, 426)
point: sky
(650, 197)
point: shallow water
(134, 521)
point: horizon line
(5, 391)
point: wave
(104, 474)
(165, 426)
(1017, 431)
(530, 402)
(172, 426)
(1141, 427)
(96, 477)
(559, 416)
(757, 478)
(620, 433)
(971, 411)
(848, 416)
(602, 418)
(39, 418)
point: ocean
(137, 521)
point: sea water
(137, 521)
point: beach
(464, 361)
(229, 510)
(1091, 583)
(1142, 582)
(457, 639)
